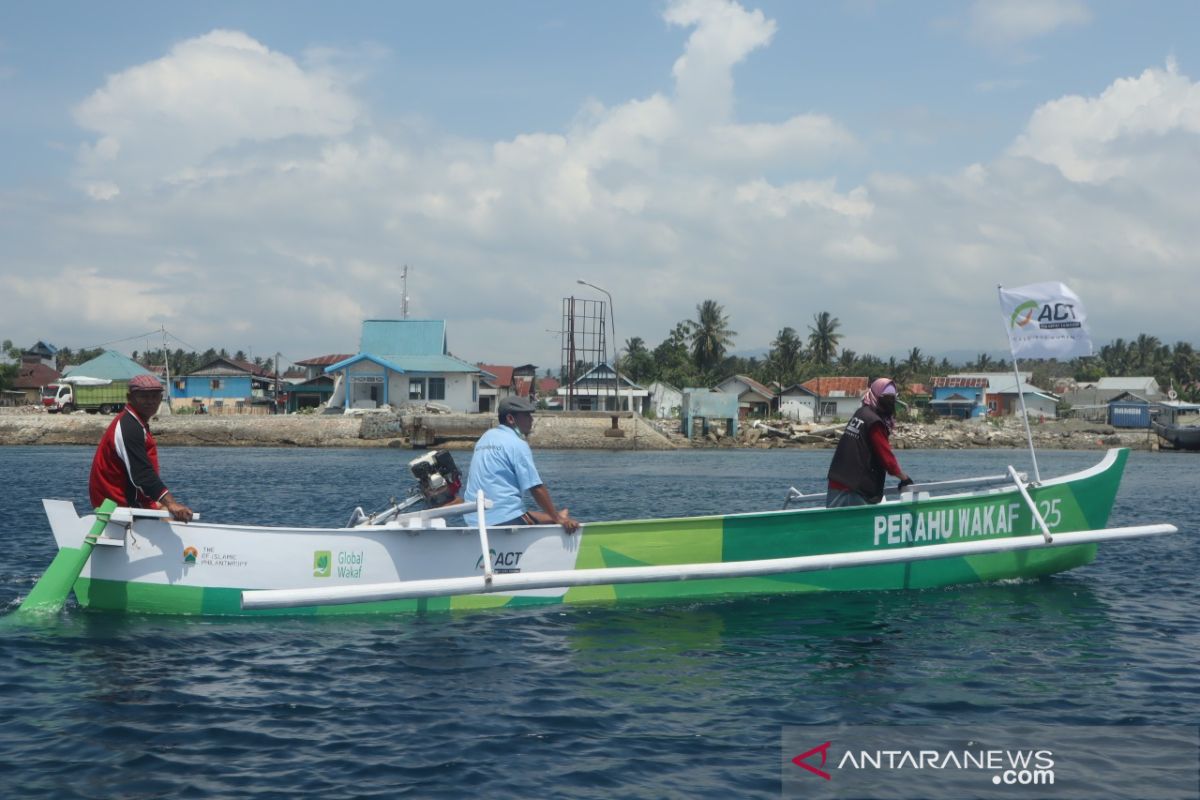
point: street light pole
(612, 316)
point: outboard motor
(438, 477)
(438, 482)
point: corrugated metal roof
(430, 363)
(848, 386)
(407, 337)
(323, 361)
(34, 376)
(110, 365)
(502, 373)
(959, 382)
(1135, 384)
(406, 364)
(751, 384)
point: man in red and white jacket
(125, 467)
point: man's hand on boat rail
(564, 519)
(176, 509)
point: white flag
(1045, 320)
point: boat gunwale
(1104, 465)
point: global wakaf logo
(322, 563)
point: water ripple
(674, 700)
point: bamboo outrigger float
(933, 535)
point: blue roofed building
(404, 361)
(109, 365)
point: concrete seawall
(381, 429)
(574, 431)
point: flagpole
(1037, 477)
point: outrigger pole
(508, 583)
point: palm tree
(637, 363)
(983, 363)
(823, 338)
(1115, 357)
(1145, 348)
(846, 361)
(710, 334)
(1184, 365)
(914, 365)
(786, 352)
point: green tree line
(695, 353)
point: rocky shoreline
(946, 435)
(30, 426)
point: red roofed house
(838, 396)
(547, 392)
(500, 381)
(32, 378)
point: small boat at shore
(1181, 433)
(933, 535)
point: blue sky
(253, 175)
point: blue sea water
(668, 700)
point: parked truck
(90, 394)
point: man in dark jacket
(864, 456)
(125, 467)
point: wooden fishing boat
(932, 535)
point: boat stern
(65, 523)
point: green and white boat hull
(157, 566)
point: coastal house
(312, 388)
(990, 394)
(499, 381)
(226, 386)
(798, 403)
(959, 397)
(42, 353)
(1004, 399)
(754, 399)
(1091, 399)
(665, 400)
(31, 381)
(596, 390)
(402, 362)
(837, 397)
(546, 392)
(918, 396)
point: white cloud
(1113, 135)
(210, 93)
(859, 248)
(724, 34)
(1010, 22)
(278, 211)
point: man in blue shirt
(503, 468)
